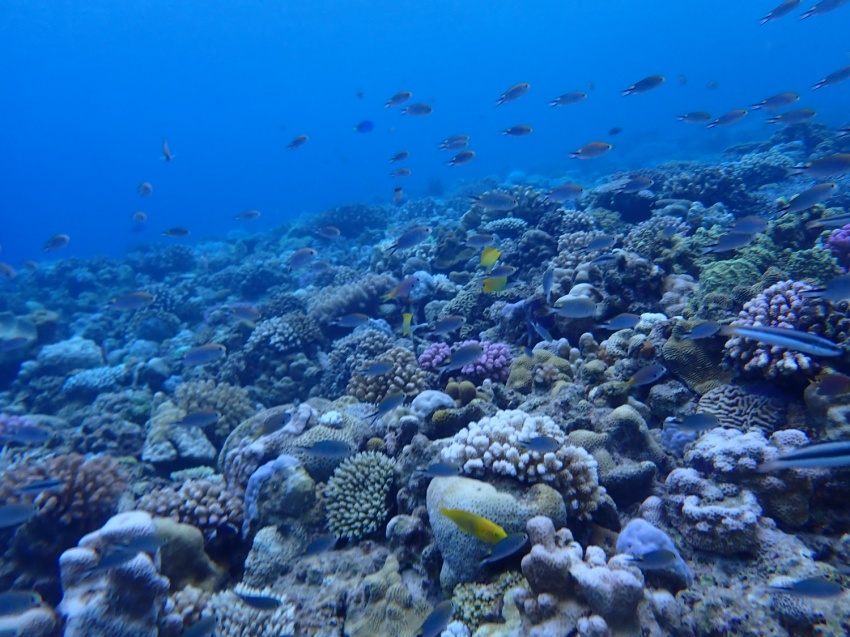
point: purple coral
(839, 243)
(434, 356)
(780, 305)
(494, 364)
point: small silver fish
(321, 544)
(328, 449)
(437, 620)
(448, 325)
(513, 94)
(695, 117)
(567, 192)
(504, 548)
(417, 110)
(260, 602)
(781, 11)
(728, 119)
(818, 456)
(351, 320)
(646, 375)
(703, 330)
(455, 142)
(16, 602)
(388, 404)
(788, 338)
(568, 99)
(658, 559)
(200, 418)
(478, 241)
(496, 201)
(623, 321)
(636, 185)
(815, 587)
(204, 354)
(833, 78)
(822, 7)
(540, 444)
(28, 435)
(412, 237)
(601, 243)
(731, 241)
(825, 167)
(40, 486)
(16, 514)
(438, 470)
(464, 356)
(574, 307)
(275, 422)
(548, 283)
(646, 84)
(836, 290)
(809, 198)
(799, 116)
(377, 368)
(700, 421)
(501, 270)
(782, 100)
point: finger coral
(358, 493)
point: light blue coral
(284, 462)
(96, 380)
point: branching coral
(230, 401)
(405, 376)
(358, 493)
(204, 503)
(491, 446)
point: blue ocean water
(92, 88)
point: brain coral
(405, 376)
(737, 408)
(357, 495)
(490, 446)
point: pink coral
(839, 243)
(434, 356)
(494, 364)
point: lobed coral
(231, 401)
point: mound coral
(358, 493)
(350, 353)
(491, 447)
(405, 376)
(232, 402)
(237, 618)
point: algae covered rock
(462, 552)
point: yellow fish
(482, 528)
(495, 284)
(489, 256)
(405, 325)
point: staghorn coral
(230, 401)
(490, 447)
(203, 503)
(357, 495)
(405, 376)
